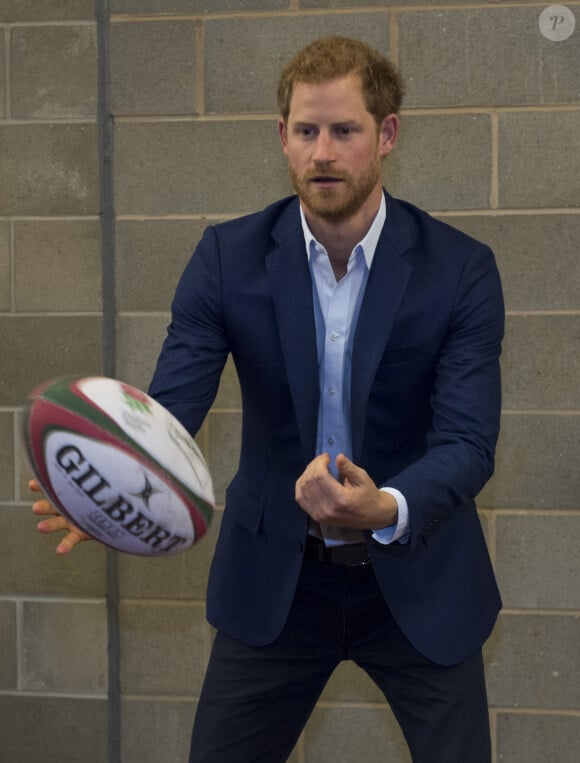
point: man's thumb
(347, 469)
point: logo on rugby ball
(119, 465)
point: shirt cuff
(400, 531)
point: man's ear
(282, 132)
(388, 134)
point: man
(366, 337)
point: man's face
(335, 148)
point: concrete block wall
(53, 616)
(115, 648)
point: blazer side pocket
(243, 507)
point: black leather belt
(349, 554)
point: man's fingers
(318, 465)
(34, 485)
(68, 543)
(317, 491)
(44, 508)
(59, 523)
(54, 524)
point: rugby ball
(118, 465)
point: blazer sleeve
(465, 402)
(195, 350)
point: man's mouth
(325, 179)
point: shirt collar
(368, 244)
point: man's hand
(55, 522)
(352, 501)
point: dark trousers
(256, 700)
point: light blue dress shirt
(336, 308)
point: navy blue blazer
(425, 414)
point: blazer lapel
(291, 289)
(387, 281)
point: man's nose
(324, 147)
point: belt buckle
(345, 555)
(349, 555)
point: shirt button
(331, 391)
(331, 441)
(335, 335)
